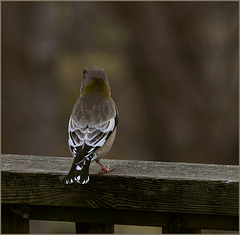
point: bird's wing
(83, 141)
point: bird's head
(94, 80)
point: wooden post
(175, 225)
(12, 222)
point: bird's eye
(84, 71)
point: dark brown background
(173, 70)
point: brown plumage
(92, 125)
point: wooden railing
(179, 197)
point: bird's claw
(105, 169)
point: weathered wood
(175, 225)
(12, 222)
(137, 186)
(130, 217)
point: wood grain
(133, 186)
(12, 222)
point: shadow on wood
(196, 196)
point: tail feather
(79, 173)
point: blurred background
(172, 66)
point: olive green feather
(96, 86)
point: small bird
(92, 125)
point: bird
(92, 125)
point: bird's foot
(104, 169)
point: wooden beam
(144, 186)
(129, 217)
(12, 222)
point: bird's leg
(104, 169)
